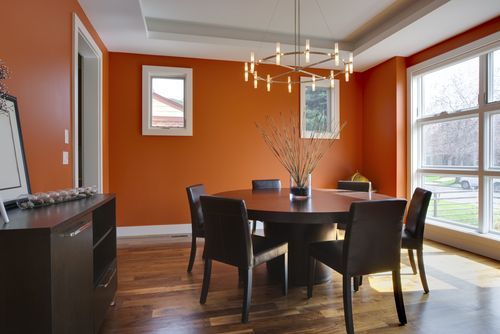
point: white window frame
(334, 104)
(467, 238)
(150, 72)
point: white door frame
(81, 34)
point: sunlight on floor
(462, 268)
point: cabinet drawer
(104, 294)
(72, 277)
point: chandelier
(301, 62)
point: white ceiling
(375, 30)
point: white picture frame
(14, 179)
(329, 101)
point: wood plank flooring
(157, 295)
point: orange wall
(384, 135)
(150, 173)
(36, 45)
(482, 30)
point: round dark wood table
(299, 222)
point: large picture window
(455, 137)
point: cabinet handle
(78, 230)
(111, 276)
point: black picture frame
(12, 153)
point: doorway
(87, 108)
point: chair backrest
(227, 234)
(266, 184)
(194, 192)
(415, 219)
(355, 185)
(372, 241)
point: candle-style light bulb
(289, 85)
(268, 83)
(252, 62)
(255, 80)
(337, 57)
(246, 72)
(308, 47)
(313, 86)
(278, 53)
(351, 61)
(332, 80)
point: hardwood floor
(157, 295)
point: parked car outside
(472, 183)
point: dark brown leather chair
(262, 185)
(228, 240)
(413, 232)
(372, 244)
(194, 192)
(353, 186)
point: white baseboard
(463, 239)
(136, 231)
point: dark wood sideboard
(58, 267)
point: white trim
(334, 108)
(462, 238)
(79, 29)
(136, 231)
(476, 241)
(148, 72)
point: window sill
(463, 238)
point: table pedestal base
(299, 236)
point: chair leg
(398, 296)
(247, 297)
(193, 254)
(412, 261)
(206, 280)
(254, 227)
(421, 269)
(346, 287)
(357, 282)
(285, 274)
(310, 280)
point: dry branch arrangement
(299, 156)
(4, 74)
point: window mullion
(484, 152)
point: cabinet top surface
(51, 216)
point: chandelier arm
(297, 81)
(303, 71)
(282, 75)
(318, 79)
(281, 65)
(317, 63)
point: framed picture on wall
(319, 108)
(14, 180)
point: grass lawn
(462, 213)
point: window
(167, 101)
(455, 136)
(319, 108)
